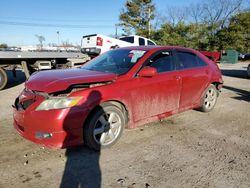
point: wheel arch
(218, 85)
(215, 85)
(120, 105)
(116, 103)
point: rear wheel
(209, 99)
(3, 78)
(104, 127)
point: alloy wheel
(210, 98)
(107, 128)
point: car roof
(152, 47)
(134, 36)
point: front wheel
(104, 127)
(209, 99)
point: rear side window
(163, 62)
(150, 42)
(128, 39)
(189, 60)
(201, 62)
(141, 41)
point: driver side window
(163, 62)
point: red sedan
(122, 88)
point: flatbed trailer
(30, 62)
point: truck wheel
(3, 78)
(104, 127)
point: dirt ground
(191, 149)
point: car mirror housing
(147, 72)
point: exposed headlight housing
(58, 103)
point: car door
(160, 93)
(194, 76)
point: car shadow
(235, 73)
(243, 94)
(82, 167)
(14, 81)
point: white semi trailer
(35, 61)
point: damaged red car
(122, 88)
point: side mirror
(147, 72)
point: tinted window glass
(150, 42)
(201, 62)
(115, 61)
(187, 60)
(163, 62)
(128, 39)
(141, 42)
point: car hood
(58, 80)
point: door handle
(177, 77)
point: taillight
(99, 41)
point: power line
(53, 25)
(55, 20)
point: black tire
(209, 99)
(3, 78)
(98, 126)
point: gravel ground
(191, 149)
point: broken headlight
(58, 103)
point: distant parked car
(247, 57)
(248, 71)
(244, 57)
(121, 88)
(241, 56)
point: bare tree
(159, 19)
(41, 39)
(213, 12)
(175, 15)
(195, 12)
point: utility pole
(116, 28)
(58, 41)
(149, 25)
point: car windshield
(115, 61)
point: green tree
(181, 34)
(169, 34)
(237, 34)
(3, 45)
(197, 26)
(136, 17)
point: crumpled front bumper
(57, 128)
